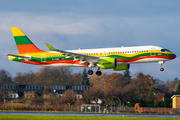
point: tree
(96, 93)
(176, 79)
(168, 102)
(25, 78)
(151, 97)
(143, 84)
(178, 88)
(69, 97)
(84, 78)
(5, 77)
(47, 76)
(127, 75)
(76, 77)
(172, 84)
(86, 96)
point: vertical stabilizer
(23, 43)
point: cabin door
(43, 57)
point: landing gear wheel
(98, 73)
(90, 72)
(161, 69)
(161, 63)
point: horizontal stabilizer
(22, 57)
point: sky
(86, 24)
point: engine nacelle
(122, 67)
(108, 63)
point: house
(60, 89)
(19, 91)
(158, 94)
(175, 101)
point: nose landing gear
(161, 69)
(161, 63)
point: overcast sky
(73, 24)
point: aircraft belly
(63, 65)
(149, 60)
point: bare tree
(69, 97)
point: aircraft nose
(174, 55)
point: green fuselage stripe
(48, 59)
(22, 40)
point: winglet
(50, 47)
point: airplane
(118, 58)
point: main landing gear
(90, 72)
(98, 72)
(161, 63)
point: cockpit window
(165, 50)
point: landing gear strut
(161, 63)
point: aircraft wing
(76, 56)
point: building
(158, 94)
(14, 90)
(175, 101)
(60, 89)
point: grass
(38, 117)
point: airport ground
(38, 117)
(83, 116)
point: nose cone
(174, 55)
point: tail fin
(23, 43)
